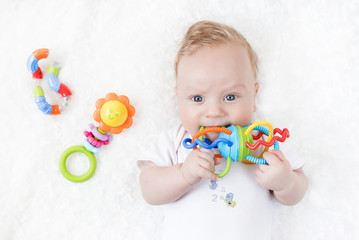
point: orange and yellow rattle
(113, 113)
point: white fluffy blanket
(308, 53)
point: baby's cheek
(242, 119)
(189, 125)
(189, 121)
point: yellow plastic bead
(114, 113)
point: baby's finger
(207, 174)
(259, 173)
(263, 168)
(271, 158)
(206, 157)
(279, 154)
(206, 164)
(206, 152)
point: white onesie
(234, 207)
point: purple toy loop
(99, 135)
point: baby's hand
(277, 174)
(199, 164)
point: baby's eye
(197, 98)
(230, 97)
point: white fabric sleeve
(161, 152)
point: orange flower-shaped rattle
(114, 113)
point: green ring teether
(226, 170)
(67, 174)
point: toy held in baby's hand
(52, 80)
(113, 113)
(235, 143)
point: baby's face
(216, 87)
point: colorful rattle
(235, 143)
(52, 80)
(113, 113)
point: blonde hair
(208, 33)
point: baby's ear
(256, 88)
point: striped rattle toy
(235, 143)
(32, 65)
(113, 113)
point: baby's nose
(215, 110)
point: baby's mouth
(225, 126)
(213, 135)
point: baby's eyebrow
(241, 85)
(195, 89)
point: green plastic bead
(100, 131)
(38, 92)
(243, 138)
(250, 140)
(53, 69)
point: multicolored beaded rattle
(235, 143)
(52, 80)
(113, 113)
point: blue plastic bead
(53, 82)
(32, 63)
(256, 160)
(43, 105)
(40, 99)
(89, 147)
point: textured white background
(308, 52)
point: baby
(216, 72)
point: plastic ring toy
(259, 123)
(67, 174)
(52, 81)
(235, 143)
(226, 170)
(114, 110)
